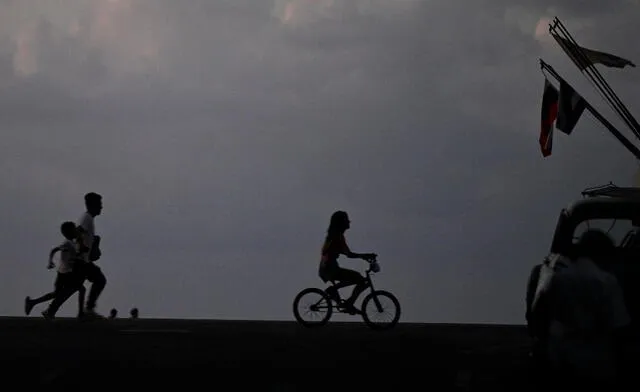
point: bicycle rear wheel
(381, 310)
(314, 303)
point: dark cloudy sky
(223, 134)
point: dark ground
(279, 356)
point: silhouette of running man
(335, 245)
(90, 242)
(68, 279)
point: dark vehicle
(613, 209)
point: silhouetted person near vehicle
(335, 245)
(90, 242)
(587, 311)
(629, 274)
(68, 278)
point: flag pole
(614, 131)
(595, 76)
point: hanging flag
(570, 108)
(548, 116)
(584, 57)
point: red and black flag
(570, 107)
(549, 115)
(564, 108)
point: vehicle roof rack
(612, 190)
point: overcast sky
(223, 134)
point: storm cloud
(223, 134)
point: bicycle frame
(340, 301)
(371, 301)
(369, 280)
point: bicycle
(326, 303)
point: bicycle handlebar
(372, 259)
(373, 265)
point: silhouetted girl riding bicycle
(338, 277)
(335, 245)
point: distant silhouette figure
(113, 313)
(68, 278)
(134, 313)
(91, 242)
(335, 245)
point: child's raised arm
(51, 254)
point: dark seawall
(270, 355)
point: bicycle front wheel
(381, 310)
(312, 307)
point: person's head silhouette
(339, 223)
(596, 245)
(69, 230)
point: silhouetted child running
(68, 280)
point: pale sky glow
(224, 133)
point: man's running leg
(94, 274)
(81, 294)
